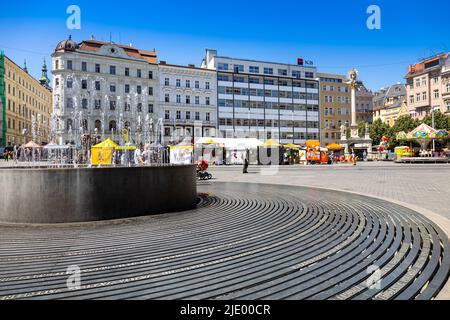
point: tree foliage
(406, 123)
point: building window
(139, 90)
(188, 115)
(207, 101)
(84, 84)
(69, 124)
(69, 103)
(178, 98)
(282, 72)
(208, 116)
(268, 70)
(197, 100)
(150, 108)
(150, 74)
(139, 73)
(238, 68)
(448, 87)
(197, 84)
(127, 72)
(424, 96)
(112, 70)
(126, 106)
(178, 115)
(309, 74)
(222, 66)
(112, 87)
(166, 82)
(97, 104)
(188, 99)
(197, 115)
(69, 83)
(127, 88)
(207, 86)
(150, 91)
(139, 107)
(436, 94)
(112, 105)
(83, 66)
(69, 64)
(84, 103)
(411, 99)
(167, 114)
(97, 68)
(167, 98)
(417, 97)
(97, 85)
(253, 69)
(188, 83)
(178, 83)
(112, 125)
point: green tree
(441, 121)
(378, 129)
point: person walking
(246, 161)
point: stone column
(354, 106)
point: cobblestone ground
(425, 186)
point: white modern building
(188, 101)
(265, 100)
(103, 88)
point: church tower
(44, 80)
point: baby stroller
(202, 174)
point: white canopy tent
(227, 150)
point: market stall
(270, 152)
(102, 153)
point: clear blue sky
(331, 33)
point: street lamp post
(433, 125)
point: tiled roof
(95, 45)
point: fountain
(65, 186)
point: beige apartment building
(24, 101)
(428, 86)
(335, 107)
(390, 103)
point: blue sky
(333, 34)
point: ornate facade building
(188, 101)
(25, 104)
(390, 103)
(428, 86)
(103, 88)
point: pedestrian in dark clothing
(246, 161)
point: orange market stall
(336, 151)
(315, 154)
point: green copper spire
(44, 78)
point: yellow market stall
(102, 153)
